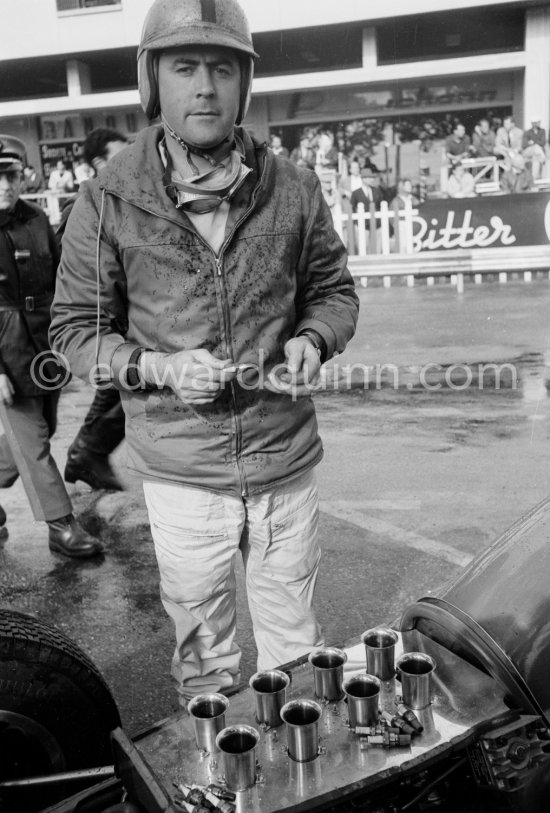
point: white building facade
(68, 66)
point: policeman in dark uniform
(29, 375)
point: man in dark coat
(103, 427)
(29, 375)
(369, 192)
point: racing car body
(485, 740)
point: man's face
(407, 187)
(199, 91)
(460, 132)
(10, 187)
(484, 126)
(354, 168)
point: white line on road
(348, 511)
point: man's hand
(196, 376)
(300, 374)
(6, 390)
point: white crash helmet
(173, 23)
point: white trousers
(197, 535)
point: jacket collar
(22, 212)
(26, 211)
(136, 173)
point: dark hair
(95, 145)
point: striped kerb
(208, 11)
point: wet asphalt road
(424, 467)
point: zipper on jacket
(235, 417)
(218, 259)
(227, 320)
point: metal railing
(51, 202)
(485, 171)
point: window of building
(451, 34)
(112, 70)
(77, 5)
(32, 78)
(309, 49)
(442, 96)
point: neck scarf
(203, 192)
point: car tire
(56, 711)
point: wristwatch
(317, 341)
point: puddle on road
(463, 405)
(527, 375)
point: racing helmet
(173, 23)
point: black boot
(66, 536)
(3, 529)
(90, 467)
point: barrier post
(397, 226)
(347, 215)
(384, 228)
(373, 236)
(361, 218)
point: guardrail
(485, 171)
(457, 240)
(456, 265)
(51, 202)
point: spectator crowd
(343, 158)
(500, 148)
(520, 156)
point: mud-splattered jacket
(282, 268)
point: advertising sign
(68, 151)
(492, 221)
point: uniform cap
(12, 153)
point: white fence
(384, 244)
(386, 230)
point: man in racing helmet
(219, 263)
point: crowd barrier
(451, 239)
(448, 238)
(51, 202)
